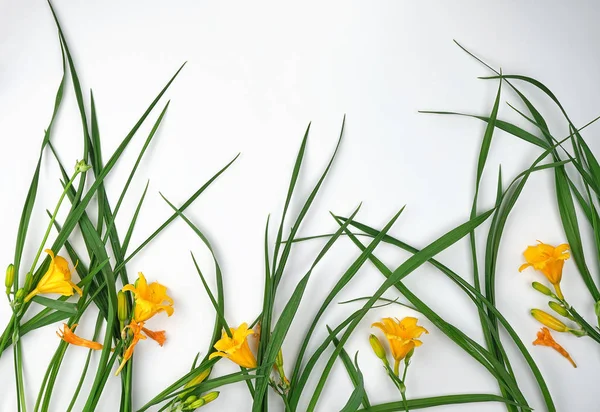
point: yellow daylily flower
(549, 260)
(236, 347)
(402, 336)
(57, 279)
(149, 299)
(69, 336)
(544, 338)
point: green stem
(52, 219)
(403, 390)
(128, 379)
(405, 370)
(21, 403)
(405, 401)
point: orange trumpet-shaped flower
(401, 334)
(57, 279)
(549, 260)
(136, 330)
(149, 299)
(544, 338)
(236, 347)
(68, 336)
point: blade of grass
(359, 395)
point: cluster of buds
(189, 400)
(192, 402)
(9, 280)
(560, 307)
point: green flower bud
(10, 277)
(597, 308)
(122, 307)
(209, 397)
(201, 377)
(560, 309)
(542, 289)
(190, 399)
(82, 167)
(20, 295)
(279, 359)
(196, 404)
(409, 356)
(377, 347)
(577, 332)
(198, 379)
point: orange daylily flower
(149, 299)
(544, 338)
(402, 336)
(68, 336)
(549, 260)
(236, 347)
(136, 329)
(57, 279)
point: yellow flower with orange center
(401, 335)
(549, 260)
(136, 329)
(544, 338)
(149, 299)
(57, 279)
(236, 347)
(69, 336)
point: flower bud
(549, 320)
(10, 277)
(542, 288)
(122, 307)
(578, 332)
(196, 404)
(377, 348)
(409, 356)
(20, 295)
(209, 397)
(201, 377)
(190, 399)
(82, 167)
(560, 309)
(279, 359)
(597, 309)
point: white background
(257, 73)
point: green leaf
(359, 395)
(439, 401)
(70, 308)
